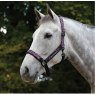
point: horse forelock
(45, 19)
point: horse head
(46, 39)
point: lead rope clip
(63, 55)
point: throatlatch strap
(63, 32)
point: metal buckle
(43, 63)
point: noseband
(60, 47)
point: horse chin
(33, 81)
(37, 80)
(30, 80)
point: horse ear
(51, 13)
(38, 14)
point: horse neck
(75, 48)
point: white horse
(79, 43)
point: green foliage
(13, 46)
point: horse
(78, 47)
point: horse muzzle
(25, 75)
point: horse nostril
(26, 70)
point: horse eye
(48, 35)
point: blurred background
(18, 18)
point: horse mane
(85, 25)
(90, 26)
(47, 18)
